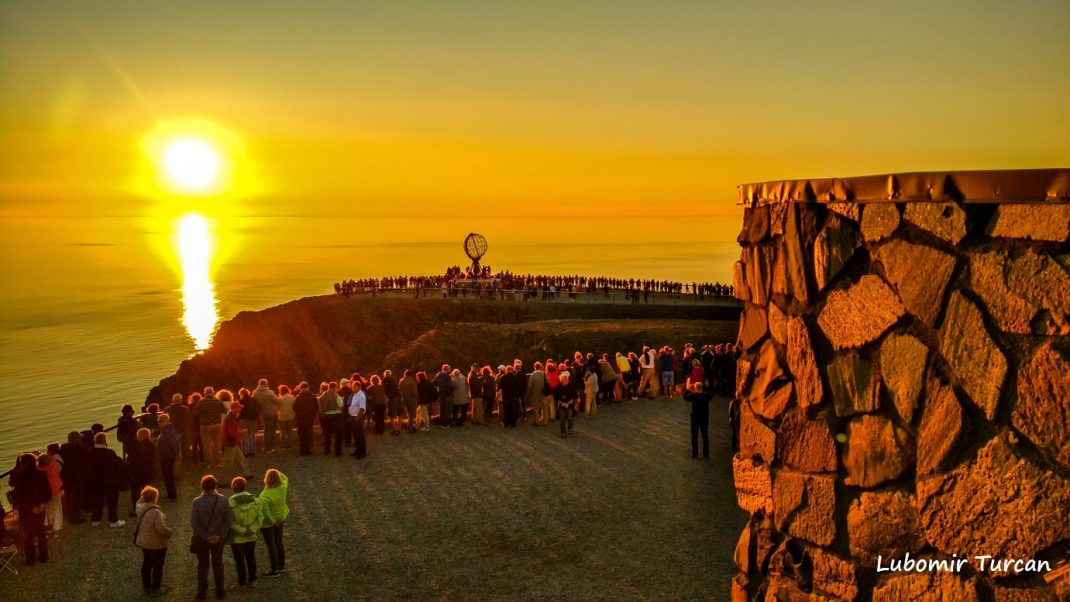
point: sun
(192, 164)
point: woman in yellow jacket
(273, 513)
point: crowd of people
(457, 281)
(216, 431)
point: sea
(94, 311)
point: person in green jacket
(243, 529)
(273, 512)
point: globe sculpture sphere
(475, 246)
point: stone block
(758, 272)
(834, 575)
(876, 451)
(833, 249)
(1041, 280)
(1043, 409)
(1048, 222)
(755, 225)
(920, 274)
(792, 260)
(756, 440)
(753, 326)
(977, 363)
(944, 220)
(806, 444)
(943, 424)
(902, 361)
(802, 363)
(924, 587)
(739, 282)
(778, 324)
(879, 220)
(744, 370)
(754, 484)
(1001, 503)
(859, 314)
(778, 214)
(851, 211)
(883, 523)
(803, 506)
(1016, 289)
(769, 395)
(853, 384)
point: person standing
(141, 456)
(269, 412)
(512, 397)
(31, 493)
(357, 410)
(700, 418)
(475, 390)
(590, 390)
(152, 535)
(249, 419)
(667, 362)
(377, 400)
(537, 389)
(75, 470)
(306, 408)
(107, 474)
(461, 398)
(210, 410)
(444, 385)
(286, 415)
(345, 393)
(168, 448)
(330, 407)
(275, 511)
(182, 422)
(395, 406)
(232, 453)
(243, 530)
(488, 389)
(427, 394)
(410, 398)
(126, 428)
(648, 379)
(49, 464)
(563, 398)
(210, 519)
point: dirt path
(617, 511)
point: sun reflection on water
(199, 313)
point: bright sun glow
(191, 164)
(199, 314)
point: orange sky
(463, 107)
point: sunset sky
(391, 108)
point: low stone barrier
(904, 393)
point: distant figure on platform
(210, 519)
(152, 535)
(700, 418)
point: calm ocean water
(91, 311)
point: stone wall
(904, 388)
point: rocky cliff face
(905, 389)
(325, 338)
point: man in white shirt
(358, 407)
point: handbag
(198, 544)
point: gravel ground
(617, 511)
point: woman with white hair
(461, 397)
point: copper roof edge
(995, 186)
